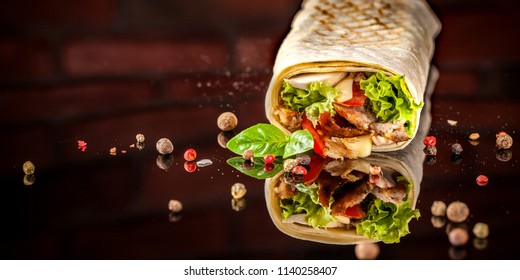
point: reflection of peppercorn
(430, 150)
(431, 160)
(504, 155)
(504, 141)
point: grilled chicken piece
(352, 148)
(290, 119)
(330, 127)
(284, 190)
(351, 197)
(394, 195)
(327, 184)
(359, 116)
(394, 131)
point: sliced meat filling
(290, 119)
(352, 195)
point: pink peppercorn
(430, 141)
(269, 158)
(482, 180)
(190, 155)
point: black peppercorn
(456, 149)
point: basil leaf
(255, 170)
(299, 142)
(262, 138)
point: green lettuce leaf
(390, 99)
(316, 100)
(387, 222)
(297, 99)
(306, 202)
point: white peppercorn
(227, 121)
(175, 206)
(481, 230)
(238, 190)
(438, 208)
(164, 146)
(140, 138)
(28, 167)
(457, 211)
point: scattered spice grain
(482, 180)
(164, 146)
(504, 140)
(457, 211)
(238, 190)
(28, 167)
(481, 230)
(227, 121)
(438, 208)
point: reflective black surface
(92, 204)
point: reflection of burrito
(371, 197)
(354, 73)
(351, 201)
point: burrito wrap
(395, 37)
(408, 162)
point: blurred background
(103, 70)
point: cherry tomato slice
(319, 145)
(358, 96)
(354, 212)
(315, 167)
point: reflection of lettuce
(386, 221)
(316, 100)
(390, 99)
(306, 202)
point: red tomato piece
(358, 96)
(319, 145)
(354, 212)
(315, 167)
(430, 141)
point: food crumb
(474, 136)
(204, 162)
(113, 151)
(452, 122)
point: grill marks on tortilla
(356, 22)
